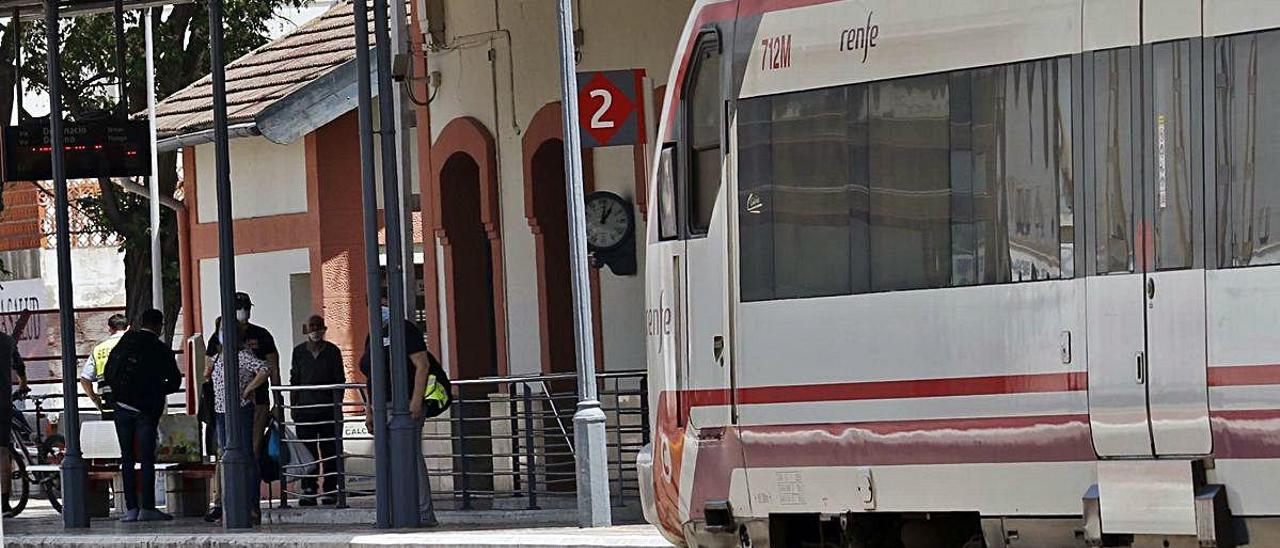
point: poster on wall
(17, 296)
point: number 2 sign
(611, 107)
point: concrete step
(156, 536)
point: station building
(485, 170)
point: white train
(967, 273)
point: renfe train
(967, 273)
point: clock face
(609, 221)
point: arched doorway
(465, 211)
(551, 213)
(469, 254)
(547, 213)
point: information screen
(109, 148)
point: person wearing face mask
(423, 369)
(317, 362)
(259, 341)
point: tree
(181, 41)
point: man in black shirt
(317, 362)
(263, 345)
(141, 372)
(419, 364)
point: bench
(186, 484)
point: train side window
(703, 108)
(931, 181)
(1248, 149)
(1114, 198)
(1174, 220)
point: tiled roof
(265, 75)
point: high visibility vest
(103, 351)
(435, 391)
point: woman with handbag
(253, 372)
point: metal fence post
(531, 470)
(514, 423)
(462, 454)
(339, 453)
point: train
(975, 273)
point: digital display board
(108, 148)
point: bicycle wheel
(13, 498)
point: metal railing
(503, 443)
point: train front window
(1248, 151)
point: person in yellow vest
(96, 364)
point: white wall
(266, 179)
(619, 34)
(97, 276)
(265, 277)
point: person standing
(96, 364)
(258, 340)
(11, 365)
(252, 374)
(317, 362)
(422, 366)
(141, 372)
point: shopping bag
(269, 456)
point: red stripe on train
(889, 390)
(1244, 375)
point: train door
(1146, 338)
(705, 291)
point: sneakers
(151, 514)
(130, 516)
(428, 521)
(309, 500)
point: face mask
(242, 315)
(315, 336)
(386, 315)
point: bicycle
(27, 448)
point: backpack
(124, 372)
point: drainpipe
(427, 182)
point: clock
(611, 221)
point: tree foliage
(89, 80)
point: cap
(242, 300)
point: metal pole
(589, 421)
(17, 66)
(117, 15)
(75, 479)
(157, 267)
(404, 155)
(405, 513)
(236, 456)
(369, 196)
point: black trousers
(320, 450)
(136, 433)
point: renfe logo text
(860, 38)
